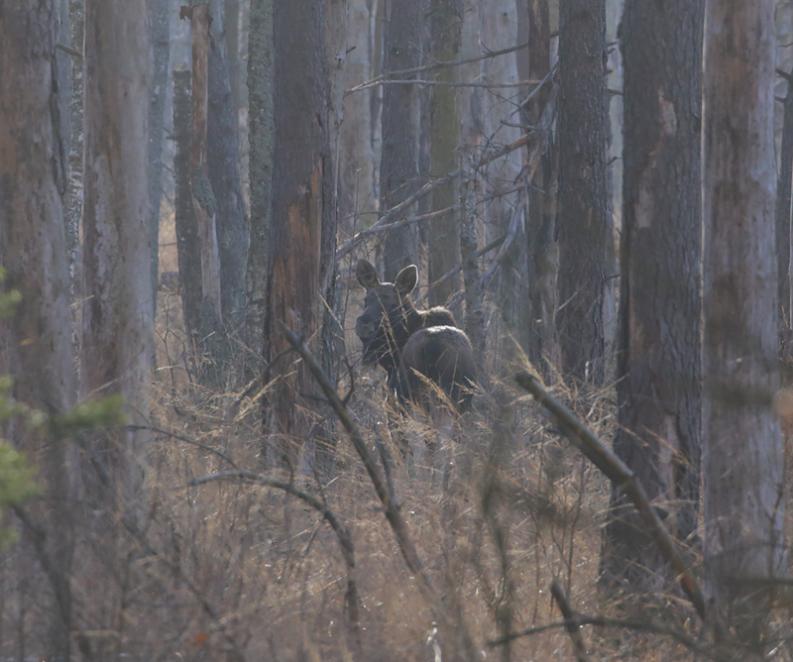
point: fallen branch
(622, 477)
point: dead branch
(536, 139)
(622, 477)
(433, 67)
(571, 625)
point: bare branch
(571, 625)
(622, 477)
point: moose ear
(367, 274)
(406, 279)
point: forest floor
(255, 573)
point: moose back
(421, 350)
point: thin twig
(434, 66)
(621, 477)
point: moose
(422, 351)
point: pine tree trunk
(584, 225)
(223, 153)
(443, 237)
(542, 250)
(260, 117)
(37, 339)
(302, 237)
(399, 159)
(161, 47)
(118, 316)
(659, 373)
(743, 453)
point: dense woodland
(395, 329)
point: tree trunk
(471, 139)
(783, 211)
(743, 456)
(231, 38)
(118, 320)
(399, 160)
(187, 246)
(161, 47)
(443, 238)
(204, 204)
(659, 373)
(223, 151)
(260, 117)
(38, 337)
(584, 216)
(505, 209)
(541, 220)
(302, 237)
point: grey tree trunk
(260, 117)
(584, 224)
(443, 238)
(74, 188)
(471, 139)
(505, 209)
(302, 237)
(204, 204)
(399, 161)
(231, 32)
(118, 316)
(743, 453)
(542, 250)
(38, 337)
(659, 371)
(223, 151)
(783, 219)
(159, 25)
(187, 245)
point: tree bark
(443, 239)
(223, 152)
(504, 210)
(542, 250)
(187, 246)
(161, 49)
(204, 204)
(399, 161)
(783, 218)
(260, 117)
(584, 216)
(471, 139)
(659, 372)
(118, 320)
(743, 454)
(302, 237)
(38, 337)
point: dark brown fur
(414, 346)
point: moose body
(421, 350)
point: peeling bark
(302, 238)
